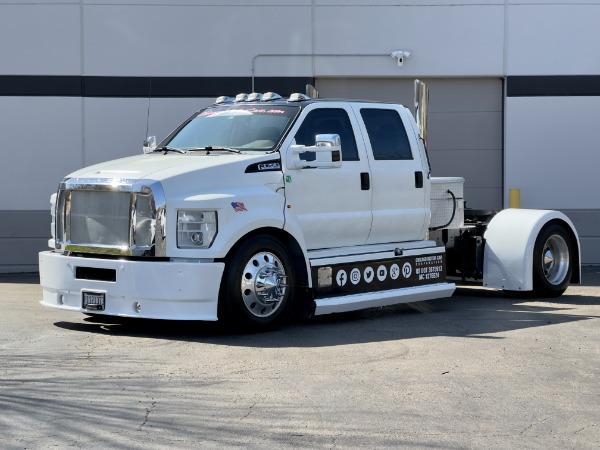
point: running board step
(354, 302)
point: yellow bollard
(514, 198)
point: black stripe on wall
(144, 87)
(553, 86)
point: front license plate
(94, 301)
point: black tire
(552, 261)
(258, 285)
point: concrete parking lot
(479, 370)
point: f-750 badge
(269, 166)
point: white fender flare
(510, 238)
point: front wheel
(552, 261)
(258, 285)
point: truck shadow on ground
(471, 313)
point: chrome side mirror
(334, 149)
(149, 144)
(327, 150)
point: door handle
(419, 180)
(365, 181)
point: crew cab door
(400, 203)
(332, 206)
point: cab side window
(328, 121)
(386, 133)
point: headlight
(196, 229)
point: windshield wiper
(168, 149)
(210, 148)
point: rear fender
(510, 238)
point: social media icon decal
(341, 278)
(369, 274)
(381, 273)
(384, 274)
(394, 271)
(406, 270)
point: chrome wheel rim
(555, 259)
(264, 284)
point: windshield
(241, 127)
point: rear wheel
(258, 285)
(552, 261)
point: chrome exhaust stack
(421, 102)
(311, 91)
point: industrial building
(514, 88)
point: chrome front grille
(100, 218)
(104, 217)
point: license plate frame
(93, 301)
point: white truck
(260, 207)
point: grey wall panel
(478, 167)
(473, 130)
(465, 95)
(25, 224)
(587, 224)
(450, 40)
(534, 45)
(23, 234)
(40, 39)
(41, 143)
(551, 151)
(174, 39)
(590, 249)
(396, 90)
(21, 254)
(587, 221)
(465, 127)
(483, 197)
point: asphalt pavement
(478, 370)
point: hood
(160, 167)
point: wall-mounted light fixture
(400, 55)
